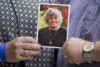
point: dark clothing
(57, 37)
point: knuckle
(30, 58)
(38, 52)
(69, 42)
(16, 45)
(17, 39)
(31, 37)
(39, 46)
(71, 38)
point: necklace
(52, 35)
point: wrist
(3, 52)
(95, 56)
(88, 49)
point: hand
(72, 48)
(22, 48)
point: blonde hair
(55, 12)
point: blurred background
(43, 7)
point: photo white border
(67, 22)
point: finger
(76, 62)
(65, 57)
(27, 53)
(30, 46)
(21, 58)
(33, 53)
(66, 47)
(26, 39)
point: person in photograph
(53, 34)
(82, 48)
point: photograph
(52, 24)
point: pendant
(50, 42)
